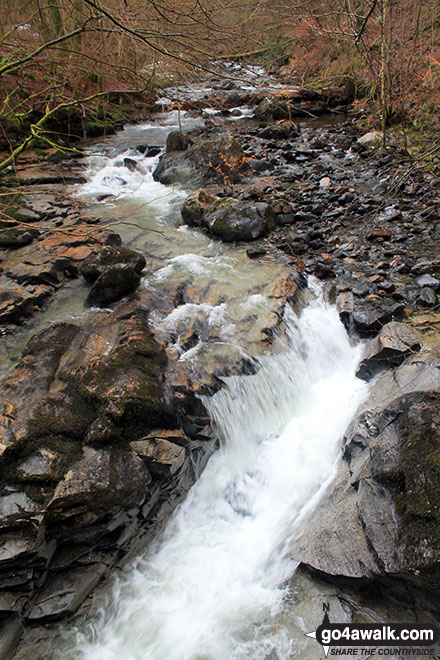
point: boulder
(231, 220)
(65, 591)
(383, 503)
(114, 283)
(196, 205)
(283, 130)
(17, 237)
(392, 345)
(162, 457)
(369, 317)
(130, 164)
(17, 302)
(176, 142)
(218, 159)
(110, 255)
(103, 481)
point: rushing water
(213, 586)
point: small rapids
(212, 586)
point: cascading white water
(211, 586)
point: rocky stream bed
(119, 313)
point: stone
(426, 266)
(280, 131)
(370, 139)
(285, 219)
(375, 234)
(153, 151)
(255, 253)
(389, 349)
(219, 159)
(16, 505)
(325, 182)
(114, 181)
(281, 206)
(428, 297)
(345, 306)
(130, 164)
(41, 464)
(18, 303)
(101, 481)
(195, 206)
(110, 255)
(231, 220)
(324, 271)
(114, 283)
(384, 502)
(64, 591)
(17, 237)
(11, 629)
(176, 142)
(162, 457)
(369, 317)
(429, 281)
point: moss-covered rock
(239, 221)
(196, 205)
(110, 255)
(220, 159)
(112, 284)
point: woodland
(76, 68)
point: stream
(214, 585)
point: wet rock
(376, 234)
(176, 142)
(196, 205)
(280, 131)
(28, 215)
(393, 344)
(285, 219)
(99, 260)
(218, 159)
(65, 591)
(17, 237)
(324, 271)
(41, 464)
(153, 151)
(428, 297)
(114, 181)
(261, 165)
(369, 317)
(11, 629)
(231, 220)
(384, 502)
(427, 266)
(255, 253)
(55, 257)
(20, 302)
(16, 505)
(102, 481)
(130, 164)
(162, 457)
(345, 307)
(429, 281)
(114, 283)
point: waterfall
(210, 586)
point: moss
(418, 505)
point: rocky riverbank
(102, 427)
